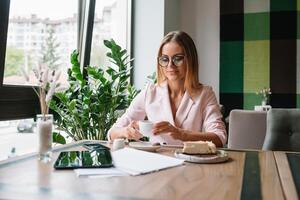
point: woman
(180, 107)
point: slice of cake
(199, 147)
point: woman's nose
(171, 64)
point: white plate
(145, 146)
(221, 156)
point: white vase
(44, 131)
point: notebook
(136, 162)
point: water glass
(44, 132)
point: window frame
(19, 102)
(16, 102)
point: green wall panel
(250, 100)
(256, 65)
(283, 5)
(255, 6)
(256, 26)
(259, 49)
(298, 24)
(231, 67)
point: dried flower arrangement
(47, 85)
(265, 94)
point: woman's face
(172, 62)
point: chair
(247, 129)
(283, 130)
(222, 110)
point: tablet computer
(98, 158)
(95, 146)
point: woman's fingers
(161, 124)
(134, 124)
(162, 127)
(132, 133)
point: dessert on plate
(199, 147)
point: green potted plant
(92, 103)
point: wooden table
(285, 175)
(27, 178)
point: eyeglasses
(177, 60)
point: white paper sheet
(133, 162)
(100, 172)
(137, 162)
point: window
(29, 33)
(50, 37)
(17, 138)
(111, 20)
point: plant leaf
(58, 138)
(72, 104)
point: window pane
(19, 137)
(44, 32)
(111, 21)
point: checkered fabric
(259, 49)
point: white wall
(148, 31)
(200, 18)
(152, 20)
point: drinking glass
(44, 131)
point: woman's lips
(172, 71)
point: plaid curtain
(259, 49)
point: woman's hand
(165, 127)
(131, 131)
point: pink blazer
(202, 113)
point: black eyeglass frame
(173, 60)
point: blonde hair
(191, 81)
